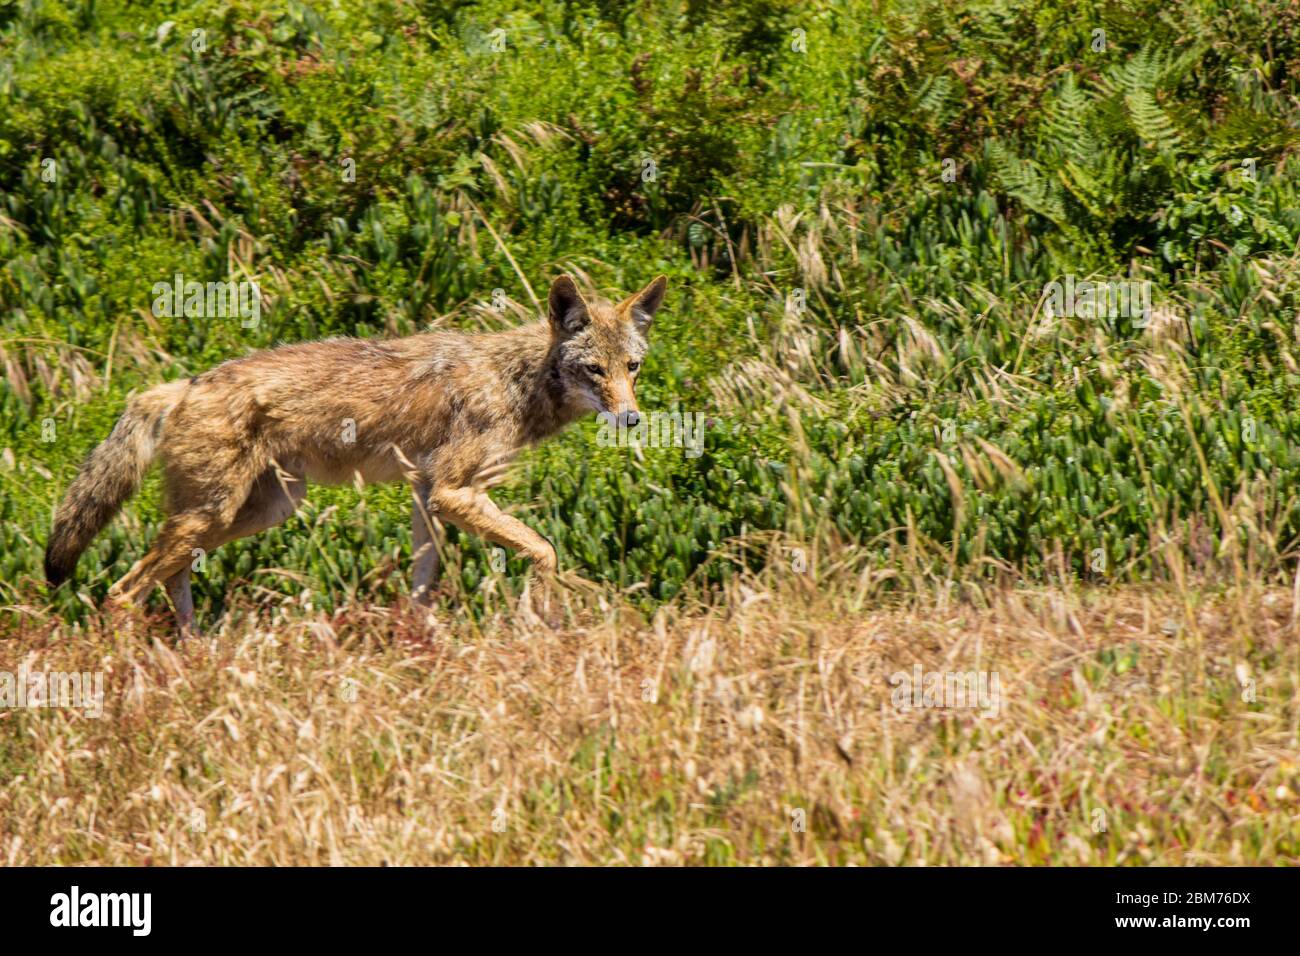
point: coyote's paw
(123, 614)
(573, 581)
(539, 605)
(424, 617)
(426, 595)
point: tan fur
(444, 410)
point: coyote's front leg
(424, 549)
(473, 511)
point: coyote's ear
(641, 308)
(568, 311)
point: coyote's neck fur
(530, 381)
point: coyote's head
(599, 346)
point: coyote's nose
(630, 419)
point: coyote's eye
(633, 366)
(595, 370)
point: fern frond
(1150, 122)
(1022, 180)
(936, 96)
(1066, 130)
(1091, 192)
(1149, 69)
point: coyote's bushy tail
(111, 474)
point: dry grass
(1123, 736)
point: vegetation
(758, 732)
(860, 206)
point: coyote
(444, 410)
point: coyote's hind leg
(200, 526)
(273, 498)
(171, 551)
